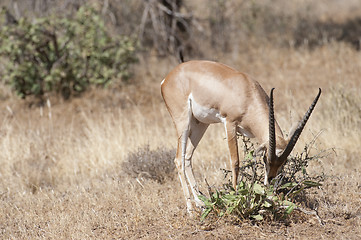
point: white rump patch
(162, 82)
(205, 114)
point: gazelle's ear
(292, 130)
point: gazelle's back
(214, 86)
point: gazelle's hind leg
(197, 130)
(185, 152)
(190, 132)
(182, 142)
(183, 125)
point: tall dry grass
(61, 165)
(62, 173)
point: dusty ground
(61, 164)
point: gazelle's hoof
(192, 213)
(199, 203)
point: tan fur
(241, 102)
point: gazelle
(199, 93)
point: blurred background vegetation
(67, 46)
(94, 160)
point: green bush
(253, 200)
(65, 55)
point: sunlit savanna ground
(61, 164)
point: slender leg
(190, 131)
(233, 150)
(179, 162)
(197, 130)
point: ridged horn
(272, 135)
(301, 125)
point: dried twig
(165, 18)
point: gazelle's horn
(297, 132)
(272, 136)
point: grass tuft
(156, 164)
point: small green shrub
(253, 200)
(150, 164)
(65, 55)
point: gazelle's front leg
(231, 130)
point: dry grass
(156, 164)
(61, 165)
